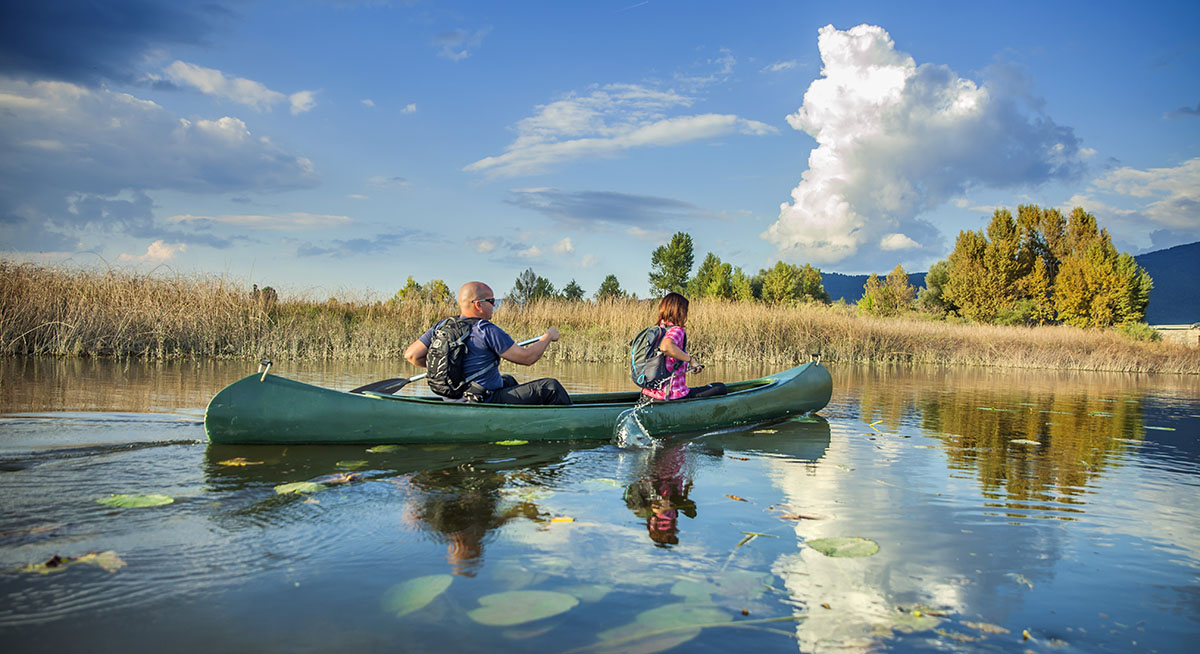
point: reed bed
(55, 312)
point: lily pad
(383, 448)
(135, 501)
(107, 561)
(846, 547)
(298, 487)
(588, 592)
(661, 629)
(415, 594)
(520, 606)
(351, 465)
(238, 462)
(512, 442)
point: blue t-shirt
(484, 346)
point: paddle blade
(383, 386)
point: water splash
(629, 432)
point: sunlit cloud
(158, 252)
(280, 222)
(896, 139)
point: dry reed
(53, 312)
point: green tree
(572, 292)
(931, 298)
(671, 265)
(713, 280)
(872, 297)
(892, 297)
(410, 292)
(781, 283)
(743, 290)
(436, 291)
(610, 289)
(530, 287)
(810, 285)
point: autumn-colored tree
(1097, 286)
(889, 298)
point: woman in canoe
(672, 314)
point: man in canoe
(486, 345)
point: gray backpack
(647, 364)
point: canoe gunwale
(583, 399)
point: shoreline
(48, 312)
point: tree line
(1038, 267)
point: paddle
(390, 386)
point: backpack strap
(486, 369)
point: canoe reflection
(456, 494)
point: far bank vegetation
(114, 313)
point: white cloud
(283, 222)
(895, 139)
(606, 122)
(780, 66)
(78, 157)
(158, 252)
(1132, 202)
(564, 246)
(588, 261)
(410, 108)
(211, 81)
(302, 101)
(483, 245)
(656, 236)
(368, 102)
(531, 252)
(897, 242)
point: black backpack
(647, 364)
(444, 361)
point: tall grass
(53, 312)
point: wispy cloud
(1185, 111)
(606, 122)
(599, 208)
(459, 44)
(1133, 202)
(780, 66)
(278, 222)
(378, 244)
(211, 81)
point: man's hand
(694, 367)
(552, 333)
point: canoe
(269, 409)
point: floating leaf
(513, 442)
(987, 628)
(528, 493)
(298, 487)
(694, 591)
(135, 501)
(637, 638)
(603, 480)
(588, 592)
(351, 465)
(1023, 441)
(562, 518)
(735, 497)
(1160, 428)
(107, 561)
(1020, 579)
(683, 614)
(845, 547)
(520, 606)
(765, 431)
(239, 462)
(378, 449)
(339, 478)
(415, 594)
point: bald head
(468, 293)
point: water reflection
(661, 493)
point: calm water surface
(1012, 511)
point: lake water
(1012, 511)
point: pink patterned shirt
(676, 385)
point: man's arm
(527, 356)
(416, 353)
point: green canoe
(268, 409)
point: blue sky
(324, 146)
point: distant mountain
(850, 287)
(1175, 299)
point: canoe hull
(280, 411)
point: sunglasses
(491, 300)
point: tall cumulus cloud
(896, 139)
